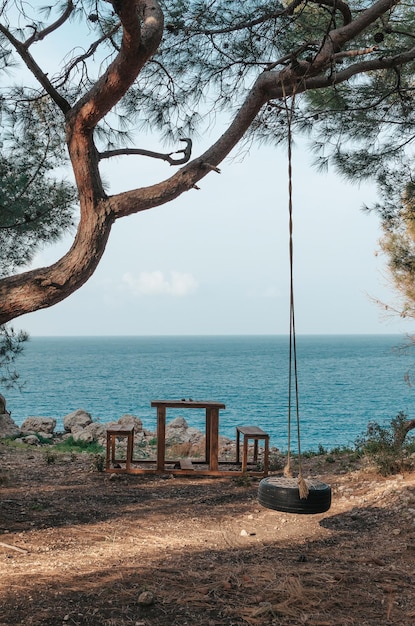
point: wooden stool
(112, 435)
(257, 434)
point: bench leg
(245, 454)
(266, 456)
(112, 449)
(107, 460)
(255, 450)
(130, 448)
(237, 445)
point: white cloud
(156, 283)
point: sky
(216, 261)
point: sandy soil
(83, 547)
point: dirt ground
(87, 548)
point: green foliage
(387, 446)
(34, 210)
(49, 456)
(11, 345)
(209, 57)
(98, 463)
(276, 462)
(12, 442)
(321, 451)
(75, 445)
(36, 207)
(398, 242)
(45, 441)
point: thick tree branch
(140, 41)
(150, 153)
(338, 37)
(337, 5)
(341, 76)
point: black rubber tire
(282, 494)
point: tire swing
(286, 493)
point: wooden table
(212, 428)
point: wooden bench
(257, 434)
(112, 435)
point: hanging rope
(293, 372)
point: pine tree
(169, 68)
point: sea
(344, 382)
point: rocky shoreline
(79, 425)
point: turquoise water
(344, 381)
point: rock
(3, 410)
(225, 442)
(77, 419)
(93, 432)
(146, 598)
(7, 426)
(127, 420)
(32, 440)
(38, 425)
(179, 424)
(178, 431)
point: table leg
(212, 426)
(245, 454)
(207, 437)
(161, 437)
(130, 448)
(108, 455)
(255, 450)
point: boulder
(38, 425)
(7, 426)
(76, 420)
(92, 432)
(3, 410)
(31, 440)
(178, 431)
(127, 420)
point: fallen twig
(8, 545)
